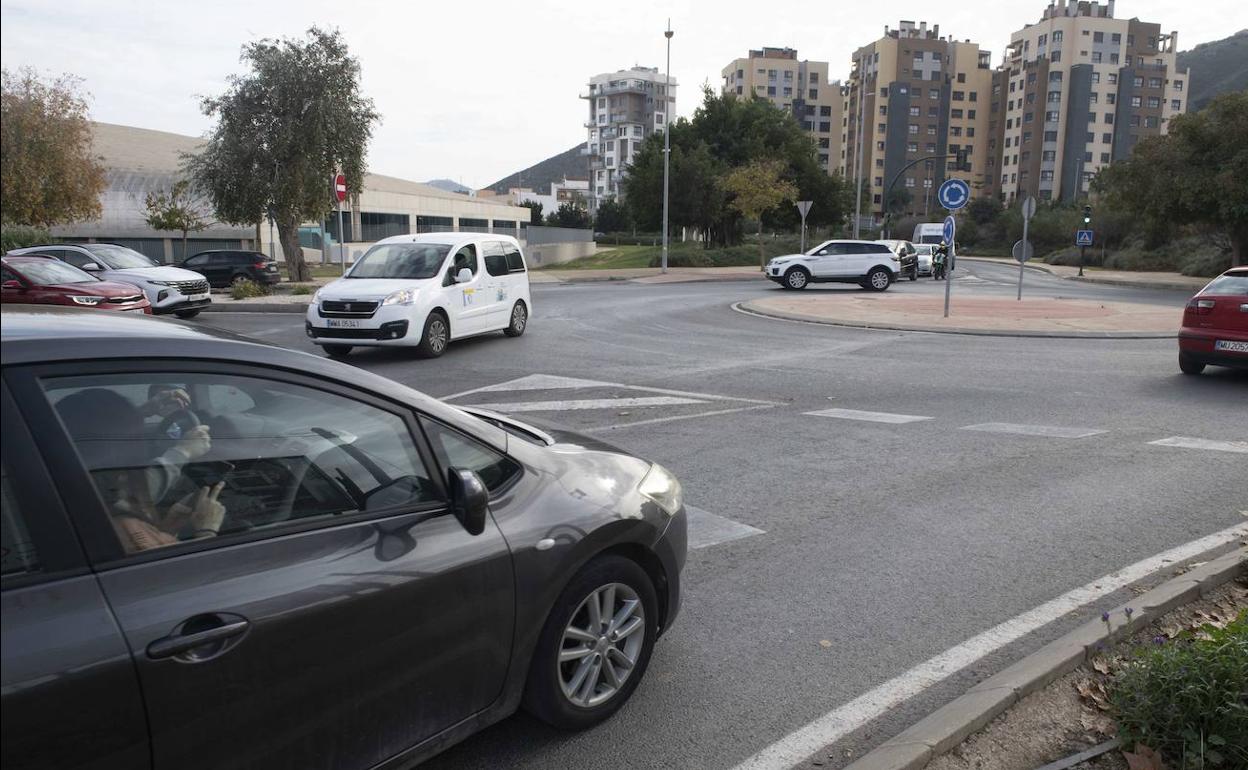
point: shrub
(1186, 698)
(246, 289)
(21, 236)
(303, 289)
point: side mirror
(91, 267)
(469, 499)
(13, 286)
(463, 276)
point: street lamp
(667, 124)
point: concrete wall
(539, 255)
(542, 234)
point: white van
(424, 291)
(928, 232)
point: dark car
(1215, 324)
(218, 553)
(224, 268)
(37, 280)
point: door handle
(184, 640)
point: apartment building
(625, 107)
(921, 98)
(801, 87)
(1076, 91)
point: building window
(1031, 97)
(1137, 82)
(933, 112)
(955, 114)
(881, 127)
(1056, 56)
(931, 130)
(813, 93)
(1113, 78)
(1098, 37)
(1150, 121)
(1135, 120)
(912, 129)
(1176, 105)
(955, 131)
(1178, 85)
(771, 90)
(1109, 118)
(825, 111)
(788, 74)
(931, 148)
(1096, 78)
(1093, 97)
(1057, 36)
(771, 74)
(914, 111)
(879, 146)
(1154, 82)
(935, 93)
(959, 96)
(961, 77)
(1046, 176)
(1055, 97)
(1135, 101)
(912, 147)
(1096, 56)
(1111, 98)
(1154, 102)
(825, 126)
(883, 109)
(909, 181)
(1048, 155)
(1050, 117)
(1042, 39)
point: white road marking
(854, 414)
(673, 418)
(1051, 431)
(707, 529)
(836, 724)
(555, 382)
(1203, 443)
(587, 403)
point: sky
(473, 90)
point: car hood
(156, 273)
(96, 289)
(788, 256)
(370, 288)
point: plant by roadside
(21, 236)
(248, 289)
(302, 290)
(1187, 697)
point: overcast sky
(476, 89)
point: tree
(611, 217)
(756, 188)
(175, 209)
(47, 172)
(535, 211)
(1192, 175)
(569, 214)
(283, 131)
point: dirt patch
(1071, 714)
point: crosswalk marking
(707, 529)
(535, 382)
(1202, 443)
(587, 403)
(854, 414)
(1051, 431)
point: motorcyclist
(940, 256)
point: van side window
(515, 262)
(17, 551)
(495, 258)
(465, 257)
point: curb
(647, 279)
(952, 723)
(258, 307)
(1094, 279)
(747, 309)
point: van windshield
(401, 260)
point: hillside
(450, 185)
(570, 163)
(1217, 67)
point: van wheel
(878, 279)
(519, 320)
(337, 351)
(435, 336)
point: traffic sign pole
(340, 194)
(953, 195)
(1029, 210)
(803, 208)
(950, 234)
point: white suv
(870, 264)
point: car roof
(851, 240)
(450, 239)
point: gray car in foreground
(218, 553)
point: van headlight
(401, 297)
(660, 486)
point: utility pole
(862, 81)
(667, 124)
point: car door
(466, 302)
(71, 697)
(339, 615)
(499, 290)
(15, 289)
(518, 278)
(201, 263)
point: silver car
(170, 289)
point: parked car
(908, 263)
(37, 280)
(169, 289)
(226, 267)
(923, 257)
(220, 553)
(424, 291)
(1215, 324)
(870, 264)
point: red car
(37, 280)
(1215, 324)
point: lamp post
(667, 124)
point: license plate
(342, 323)
(1231, 345)
(196, 297)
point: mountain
(1217, 67)
(569, 163)
(450, 185)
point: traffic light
(1087, 215)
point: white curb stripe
(673, 418)
(836, 724)
(1051, 431)
(854, 414)
(1203, 443)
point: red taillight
(260, 265)
(1200, 306)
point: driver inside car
(108, 432)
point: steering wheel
(177, 424)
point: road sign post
(953, 195)
(1022, 249)
(803, 208)
(948, 234)
(340, 193)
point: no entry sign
(340, 187)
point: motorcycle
(939, 255)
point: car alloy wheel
(879, 280)
(796, 278)
(601, 645)
(519, 319)
(437, 335)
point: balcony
(638, 87)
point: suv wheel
(878, 279)
(595, 645)
(239, 278)
(796, 278)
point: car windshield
(1228, 284)
(46, 272)
(401, 260)
(117, 257)
(923, 248)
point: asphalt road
(882, 544)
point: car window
(199, 260)
(515, 261)
(47, 272)
(8, 275)
(831, 249)
(400, 260)
(1227, 284)
(222, 259)
(17, 550)
(455, 450)
(465, 257)
(75, 258)
(117, 257)
(495, 258)
(182, 457)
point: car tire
(878, 279)
(796, 278)
(559, 690)
(337, 351)
(435, 336)
(186, 315)
(914, 274)
(1189, 365)
(239, 278)
(519, 320)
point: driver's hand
(199, 510)
(166, 403)
(195, 443)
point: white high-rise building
(625, 107)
